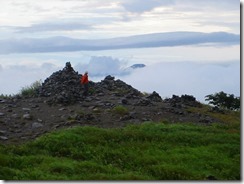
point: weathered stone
(3, 138)
(206, 120)
(27, 116)
(143, 102)
(89, 117)
(124, 101)
(16, 116)
(2, 132)
(109, 77)
(155, 97)
(26, 109)
(183, 101)
(36, 125)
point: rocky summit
(59, 103)
(62, 87)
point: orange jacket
(84, 79)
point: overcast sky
(38, 37)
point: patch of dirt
(24, 119)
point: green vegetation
(150, 151)
(121, 110)
(224, 101)
(227, 117)
(5, 96)
(29, 91)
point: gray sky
(38, 37)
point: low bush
(31, 90)
(121, 110)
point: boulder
(155, 97)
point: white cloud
(117, 17)
(14, 77)
(101, 66)
(54, 26)
(138, 6)
(189, 78)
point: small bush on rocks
(32, 89)
(121, 110)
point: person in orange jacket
(84, 82)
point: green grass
(120, 110)
(31, 90)
(228, 117)
(151, 151)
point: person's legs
(85, 89)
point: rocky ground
(59, 103)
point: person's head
(86, 73)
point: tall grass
(31, 89)
(151, 151)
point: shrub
(31, 90)
(5, 96)
(121, 110)
(223, 100)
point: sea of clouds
(166, 78)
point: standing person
(84, 82)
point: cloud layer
(62, 44)
(189, 78)
(115, 18)
(197, 79)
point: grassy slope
(151, 151)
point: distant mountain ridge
(135, 66)
(169, 39)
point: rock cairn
(182, 101)
(116, 88)
(62, 86)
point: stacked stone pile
(62, 86)
(184, 100)
(117, 88)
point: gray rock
(143, 102)
(206, 120)
(27, 116)
(2, 132)
(3, 138)
(16, 116)
(124, 101)
(36, 125)
(26, 109)
(2, 100)
(155, 97)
